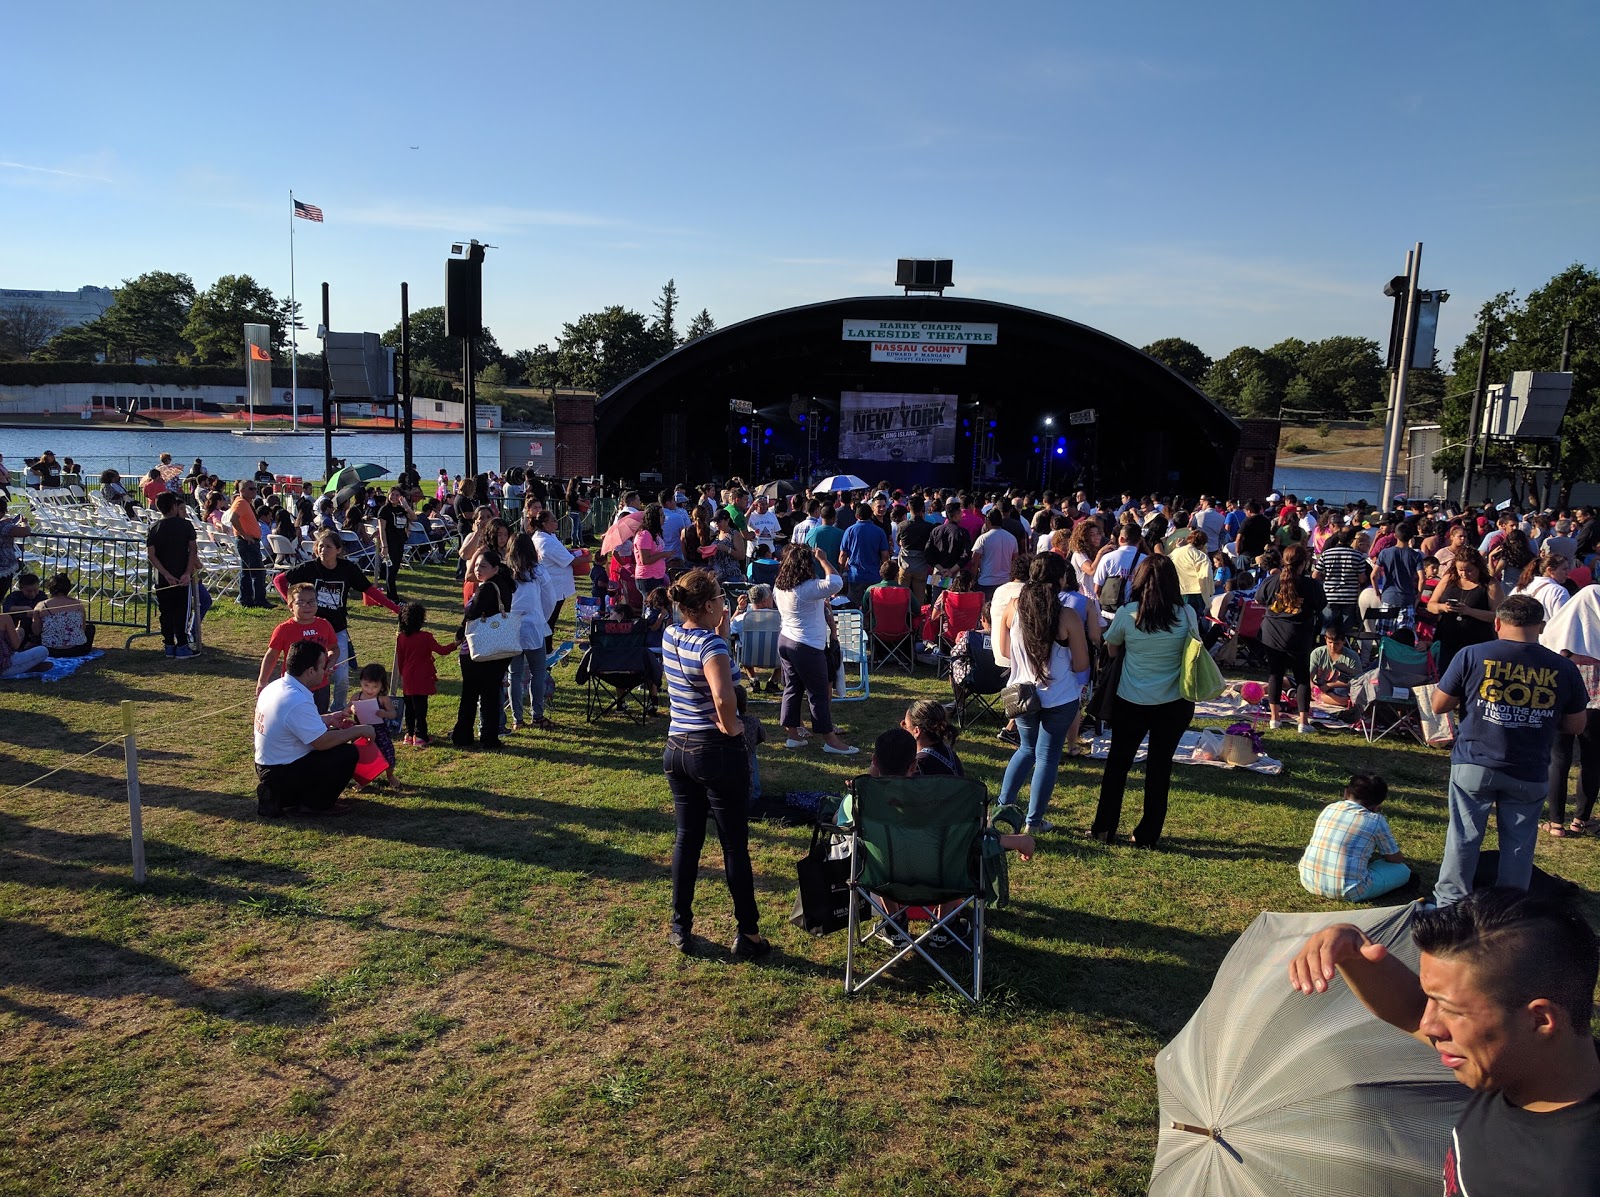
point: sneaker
(1009, 736)
(420, 742)
(1305, 729)
(751, 949)
(1040, 827)
(847, 750)
(183, 652)
(172, 650)
(1274, 724)
(682, 941)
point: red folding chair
(1249, 631)
(959, 614)
(889, 608)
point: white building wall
(75, 307)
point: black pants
(709, 776)
(315, 781)
(1280, 662)
(391, 578)
(805, 672)
(1587, 746)
(416, 715)
(480, 694)
(173, 604)
(1165, 724)
(5, 584)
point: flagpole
(294, 319)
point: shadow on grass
(85, 966)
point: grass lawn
(466, 987)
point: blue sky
(1232, 174)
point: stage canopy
(917, 389)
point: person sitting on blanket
(1333, 666)
(16, 660)
(1352, 855)
(62, 621)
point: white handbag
(494, 637)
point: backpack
(1114, 590)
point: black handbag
(1105, 689)
(1020, 699)
(823, 905)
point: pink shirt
(645, 543)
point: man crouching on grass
(1505, 997)
(302, 758)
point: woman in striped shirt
(706, 764)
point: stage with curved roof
(762, 399)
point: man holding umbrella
(1505, 996)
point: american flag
(308, 211)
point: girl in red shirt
(414, 651)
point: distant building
(73, 307)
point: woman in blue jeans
(1149, 633)
(1046, 646)
(706, 763)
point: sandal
(1576, 827)
(1555, 830)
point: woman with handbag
(1046, 646)
(1148, 636)
(803, 636)
(706, 760)
(484, 659)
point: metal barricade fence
(110, 576)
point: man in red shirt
(306, 625)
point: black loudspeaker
(463, 297)
(924, 274)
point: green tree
(145, 321)
(1527, 335)
(699, 326)
(1226, 379)
(600, 349)
(665, 326)
(24, 329)
(1337, 376)
(433, 352)
(218, 315)
(1182, 357)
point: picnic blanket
(60, 667)
(1184, 754)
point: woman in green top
(1149, 634)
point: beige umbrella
(1269, 1091)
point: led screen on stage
(882, 427)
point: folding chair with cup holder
(917, 842)
(889, 615)
(758, 642)
(1388, 689)
(959, 614)
(618, 663)
(986, 677)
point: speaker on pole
(463, 296)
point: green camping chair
(917, 842)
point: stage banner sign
(885, 427)
(929, 332)
(919, 352)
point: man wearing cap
(1209, 520)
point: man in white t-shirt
(302, 759)
(762, 526)
(1120, 560)
(1210, 521)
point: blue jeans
(252, 578)
(1474, 792)
(526, 683)
(339, 671)
(1382, 876)
(1042, 736)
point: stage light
(744, 430)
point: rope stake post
(130, 757)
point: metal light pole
(1397, 405)
(327, 393)
(405, 373)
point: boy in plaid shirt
(1352, 855)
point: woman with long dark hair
(1294, 603)
(803, 630)
(481, 681)
(1464, 601)
(1046, 646)
(526, 677)
(1149, 633)
(1508, 558)
(650, 550)
(705, 761)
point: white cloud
(52, 172)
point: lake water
(133, 451)
(1331, 486)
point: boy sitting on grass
(1352, 855)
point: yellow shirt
(1194, 570)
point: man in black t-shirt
(394, 528)
(1253, 534)
(175, 560)
(1505, 996)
